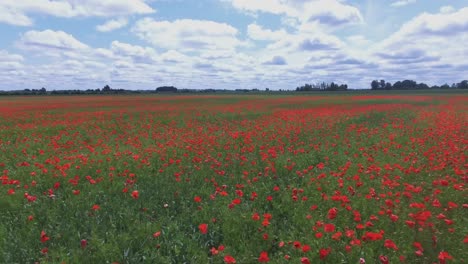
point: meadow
(374, 178)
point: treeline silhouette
(375, 85)
(412, 85)
(108, 90)
(322, 87)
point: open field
(234, 179)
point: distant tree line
(166, 89)
(322, 87)
(375, 85)
(108, 90)
(412, 85)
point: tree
(382, 84)
(422, 86)
(388, 86)
(374, 85)
(166, 89)
(463, 85)
(106, 88)
(397, 86)
(409, 85)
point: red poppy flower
(443, 256)
(332, 213)
(329, 228)
(83, 243)
(263, 257)
(44, 237)
(203, 228)
(384, 259)
(324, 252)
(229, 259)
(390, 244)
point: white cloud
(14, 17)
(11, 9)
(418, 43)
(256, 32)
(432, 25)
(137, 53)
(6, 56)
(327, 12)
(447, 9)
(358, 41)
(10, 62)
(112, 24)
(49, 39)
(276, 60)
(187, 34)
(402, 3)
(173, 56)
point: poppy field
(234, 179)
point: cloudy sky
(229, 44)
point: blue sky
(229, 44)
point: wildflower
(443, 256)
(229, 259)
(329, 228)
(390, 244)
(384, 259)
(44, 237)
(263, 257)
(332, 213)
(203, 228)
(324, 252)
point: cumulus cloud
(418, 42)
(328, 12)
(138, 54)
(49, 39)
(187, 34)
(300, 42)
(257, 32)
(434, 26)
(112, 24)
(447, 9)
(408, 56)
(14, 17)
(17, 12)
(402, 3)
(276, 60)
(10, 62)
(173, 56)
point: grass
(135, 177)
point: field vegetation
(322, 178)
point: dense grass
(134, 179)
